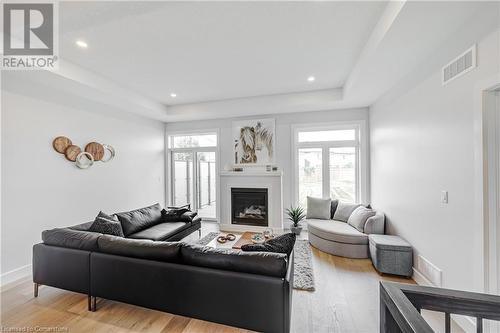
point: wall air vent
(460, 65)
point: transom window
(192, 141)
(323, 136)
(327, 162)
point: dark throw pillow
(112, 217)
(188, 216)
(107, 224)
(333, 207)
(177, 214)
(280, 244)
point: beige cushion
(359, 216)
(336, 231)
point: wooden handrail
(400, 306)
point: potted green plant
(296, 215)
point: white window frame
(169, 190)
(361, 145)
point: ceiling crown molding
(249, 106)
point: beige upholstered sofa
(341, 239)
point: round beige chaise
(341, 239)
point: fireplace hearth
(249, 206)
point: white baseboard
(466, 323)
(420, 279)
(14, 277)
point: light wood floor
(346, 300)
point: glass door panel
(206, 184)
(343, 173)
(310, 174)
(182, 172)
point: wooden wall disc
(96, 149)
(72, 152)
(61, 143)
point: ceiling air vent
(460, 65)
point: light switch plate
(444, 197)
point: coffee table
(241, 239)
(246, 238)
(227, 245)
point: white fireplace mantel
(271, 180)
(251, 173)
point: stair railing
(401, 306)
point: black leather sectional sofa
(251, 290)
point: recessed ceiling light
(173, 95)
(82, 44)
(311, 78)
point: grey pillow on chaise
(344, 210)
(318, 208)
(359, 216)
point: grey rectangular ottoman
(391, 254)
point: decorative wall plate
(96, 150)
(72, 152)
(84, 160)
(110, 153)
(61, 143)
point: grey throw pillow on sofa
(359, 216)
(107, 224)
(318, 208)
(344, 210)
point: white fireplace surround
(272, 181)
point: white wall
(283, 137)
(422, 142)
(42, 190)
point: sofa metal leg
(89, 302)
(35, 289)
(94, 304)
(199, 233)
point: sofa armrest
(188, 216)
(375, 224)
(184, 217)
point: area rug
(208, 238)
(303, 277)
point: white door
(194, 181)
(206, 184)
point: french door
(194, 180)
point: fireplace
(249, 206)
